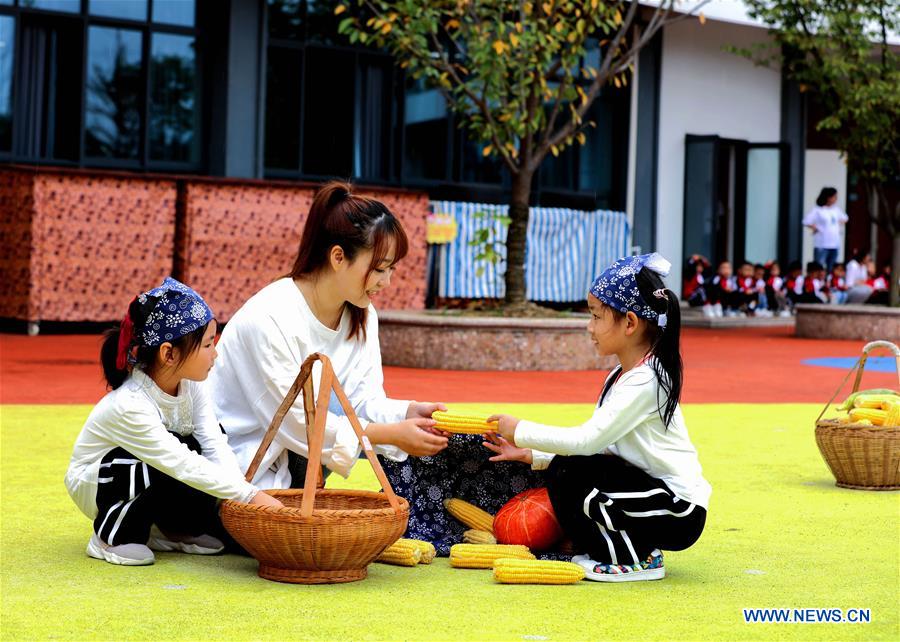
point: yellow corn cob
(426, 549)
(892, 408)
(475, 536)
(484, 555)
(873, 401)
(463, 424)
(470, 515)
(877, 417)
(403, 552)
(515, 571)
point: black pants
(617, 513)
(131, 496)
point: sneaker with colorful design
(651, 568)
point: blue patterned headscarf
(178, 311)
(617, 286)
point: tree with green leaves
(521, 75)
(839, 51)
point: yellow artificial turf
(779, 534)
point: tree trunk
(895, 271)
(515, 238)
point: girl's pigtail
(666, 343)
(118, 344)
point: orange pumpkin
(528, 519)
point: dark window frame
(146, 27)
(453, 186)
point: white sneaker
(191, 544)
(717, 310)
(123, 554)
(784, 313)
(651, 568)
(708, 311)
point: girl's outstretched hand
(505, 450)
(506, 426)
(264, 499)
(424, 410)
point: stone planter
(425, 339)
(857, 322)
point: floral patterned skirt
(461, 470)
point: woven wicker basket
(320, 536)
(861, 456)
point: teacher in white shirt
(348, 250)
(825, 221)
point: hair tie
(661, 294)
(126, 332)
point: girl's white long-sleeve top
(260, 353)
(627, 424)
(141, 418)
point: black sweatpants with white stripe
(131, 496)
(617, 513)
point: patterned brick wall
(235, 238)
(95, 241)
(77, 245)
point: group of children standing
(761, 290)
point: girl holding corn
(627, 482)
(348, 250)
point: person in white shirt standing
(627, 482)
(151, 460)
(348, 251)
(825, 220)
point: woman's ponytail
(665, 344)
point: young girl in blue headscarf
(627, 482)
(151, 459)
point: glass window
(425, 136)
(372, 118)
(128, 9)
(286, 18)
(7, 49)
(322, 23)
(174, 12)
(113, 93)
(283, 79)
(328, 108)
(6, 2)
(173, 99)
(72, 6)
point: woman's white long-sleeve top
(141, 418)
(260, 353)
(627, 424)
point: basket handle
(860, 365)
(317, 413)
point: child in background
(627, 482)
(151, 459)
(837, 284)
(880, 283)
(795, 274)
(723, 291)
(747, 287)
(811, 287)
(695, 284)
(763, 308)
(775, 291)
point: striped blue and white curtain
(565, 250)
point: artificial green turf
(779, 534)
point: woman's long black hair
(824, 195)
(665, 343)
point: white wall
(823, 168)
(705, 90)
